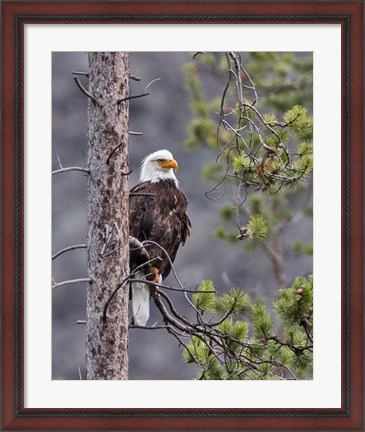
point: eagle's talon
(154, 275)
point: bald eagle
(160, 217)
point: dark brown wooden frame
(350, 16)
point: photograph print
(182, 216)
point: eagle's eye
(160, 160)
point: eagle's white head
(157, 166)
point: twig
(131, 97)
(225, 316)
(167, 317)
(107, 236)
(134, 78)
(83, 89)
(157, 79)
(136, 270)
(174, 273)
(136, 244)
(112, 251)
(170, 288)
(305, 323)
(130, 276)
(224, 187)
(134, 326)
(80, 73)
(62, 170)
(112, 152)
(140, 194)
(78, 246)
(59, 161)
(173, 310)
(197, 53)
(135, 133)
(133, 245)
(83, 157)
(80, 322)
(80, 376)
(176, 336)
(113, 295)
(69, 282)
(169, 259)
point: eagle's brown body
(162, 218)
(157, 212)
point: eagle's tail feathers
(140, 303)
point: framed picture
(44, 382)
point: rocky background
(163, 117)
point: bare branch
(70, 282)
(113, 151)
(134, 78)
(62, 170)
(83, 89)
(157, 79)
(131, 97)
(59, 161)
(198, 53)
(108, 235)
(305, 323)
(141, 266)
(166, 316)
(62, 251)
(80, 73)
(78, 368)
(141, 194)
(134, 326)
(113, 295)
(170, 288)
(169, 259)
(136, 244)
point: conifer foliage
(261, 149)
(240, 340)
(265, 159)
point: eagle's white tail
(140, 301)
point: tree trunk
(108, 261)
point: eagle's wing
(142, 216)
(142, 211)
(141, 222)
(161, 218)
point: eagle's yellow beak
(170, 164)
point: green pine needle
(256, 227)
(298, 120)
(196, 351)
(262, 321)
(235, 301)
(302, 361)
(205, 302)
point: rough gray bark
(107, 341)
